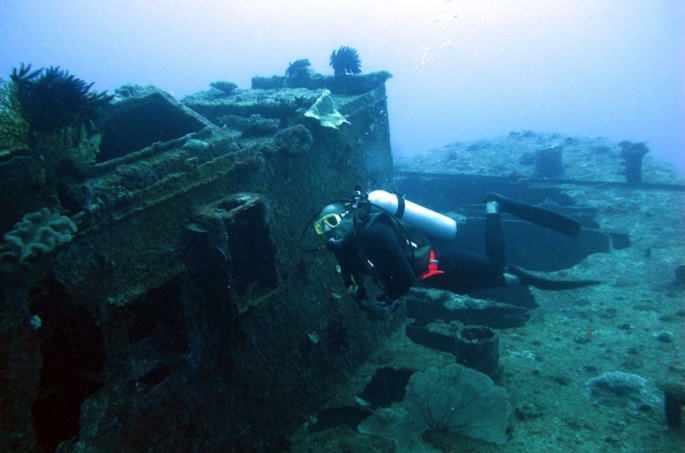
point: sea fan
(455, 398)
(298, 69)
(345, 60)
(52, 99)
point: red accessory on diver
(432, 267)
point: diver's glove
(374, 310)
(389, 304)
(379, 309)
(394, 305)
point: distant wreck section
(156, 299)
(585, 178)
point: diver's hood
(310, 241)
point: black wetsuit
(378, 250)
(466, 271)
(382, 249)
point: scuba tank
(434, 225)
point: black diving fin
(539, 216)
(529, 279)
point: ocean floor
(633, 323)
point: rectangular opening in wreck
(253, 263)
(251, 254)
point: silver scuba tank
(434, 225)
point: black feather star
(298, 69)
(52, 99)
(345, 60)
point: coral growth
(14, 130)
(298, 69)
(455, 398)
(224, 87)
(294, 141)
(616, 388)
(52, 113)
(37, 233)
(52, 99)
(324, 111)
(345, 60)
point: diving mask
(328, 222)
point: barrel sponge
(455, 398)
(37, 233)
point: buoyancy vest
(416, 246)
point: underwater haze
(463, 70)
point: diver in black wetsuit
(368, 240)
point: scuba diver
(387, 237)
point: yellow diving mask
(328, 222)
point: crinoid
(14, 130)
(52, 99)
(298, 69)
(345, 60)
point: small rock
(664, 336)
(561, 380)
(526, 410)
